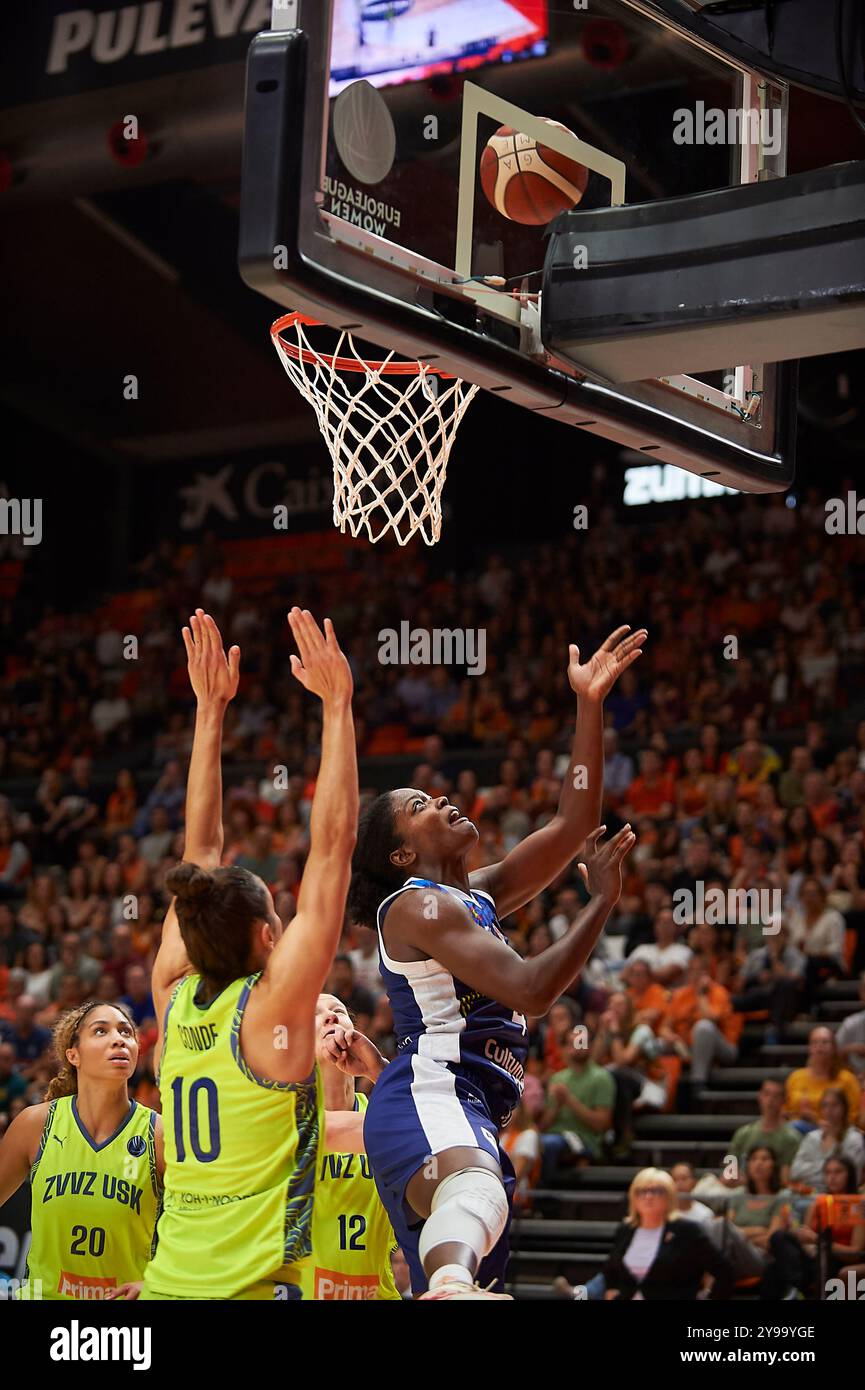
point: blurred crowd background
(735, 746)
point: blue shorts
(419, 1108)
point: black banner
(55, 48)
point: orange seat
(672, 1071)
(387, 739)
(850, 938)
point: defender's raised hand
(213, 676)
(321, 667)
(595, 679)
(602, 870)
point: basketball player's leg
(460, 1196)
(433, 1148)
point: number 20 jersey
(94, 1206)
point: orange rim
(343, 364)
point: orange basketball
(527, 182)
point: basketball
(527, 182)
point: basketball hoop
(389, 427)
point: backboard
(363, 205)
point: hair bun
(191, 884)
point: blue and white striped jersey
(439, 1017)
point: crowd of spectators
(734, 748)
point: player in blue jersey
(459, 993)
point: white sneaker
(458, 1289)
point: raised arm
(300, 962)
(213, 678)
(490, 966)
(542, 856)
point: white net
(389, 427)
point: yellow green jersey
(94, 1206)
(352, 1238)
(239, 1157)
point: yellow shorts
(262, 1291)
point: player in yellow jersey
(94, 1158)
(352, 1238)
(236, 999)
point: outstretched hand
(321, 667)
(213, 676)
(602, 870)
(595, 679)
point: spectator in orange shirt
(819, 800)
(545, 769)
(708, 941)
(747, 835)
(146, 928)
(542, 725)
(16, 985)
(492, 723)
(238, 833)
(714, 760)
(458, 719)
(122, 804)
(647, 996)
(467, 797)
(490, 846)
(132, 864)
(692, 788)
(522, 1143)
(701, 1017)
(653, 792)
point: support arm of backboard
(478, 102)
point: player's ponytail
(373, 876)
(192, 887)
(216, 912)
(67, 1031)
